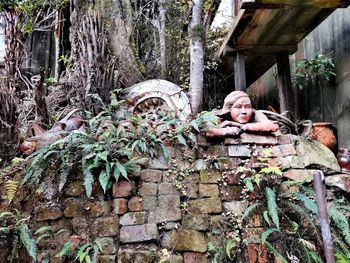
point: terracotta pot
(343, 158)
(324, 132)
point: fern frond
(88, 182)
(27, 241)
(340, 245)
(104, 180)
(341, 222)
(274, 251)
(267, 233)
(11, 187)
(308, 203)
(272, 206)
(250, 209)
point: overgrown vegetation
(287, 211)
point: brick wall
(169, 210)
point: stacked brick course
(163, 208)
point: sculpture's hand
(229, 123)
(231, 131)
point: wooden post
(239, 70)
(284, 84)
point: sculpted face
(241, 110)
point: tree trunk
(162, 37)
(196, 57)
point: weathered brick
(167, 189)
(154, 176)
(148, 189)
(215, 222)
(185, 240)
(106, 226)
(99, 208)
(257, 139)
(82, 226)
(232, 177)
(205, 205)
(48, 213)
(150, 202)
(192, 185)
(229, 163)
(75, 188)
(239, 151)
(106, 259)
(192, 257)
(235, 207)
(123, 189)
(256, 253)
(298, 174)
(135, 204)
(217, 151)
(74, 208)
(230, 192)
(196, 221)
(137, 254)
(138, 233)
(208, 190)
(232, 141)
(209, 176)
(159, 163)
(133, 218)
(109, 246)
(288, 162)
(168, 210)
(277, 150)
(120, 206)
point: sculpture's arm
(222, 132)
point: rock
(299, 174)
(106, 259)
(133, 218)
(209, 177)
(120, 206)
(74, 207)
(138, 233)
(109, 246)
(317, 156)
(205, 205)
(239, 151)
(208, 190)
(192, 257)
(217, 151)
(148, 189)
(149, 175)
(123, 189)
(150, 202)
(236, 207)
(167, 189)
(99, 208)
(230, 192)
(75, 188)
(106, 226)
(137, 254)
(339, 180)
(135, 204)
(168, 210)
(48, 213)
(185, 240)
(196, 221)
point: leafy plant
(87, 252)
(14, 227)
(320, 68)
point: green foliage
(87, 252)
(15, 225)
(320, 68)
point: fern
(11, 187)
(341, 222)
(267, 233)
(308, 203)
(250, 209)
(272, 206)
(27, 241)
(274, 251)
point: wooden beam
(229, 34)
(271, 4)
(239, 71)
(284, 84)
(259, 49)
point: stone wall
(169, 210)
